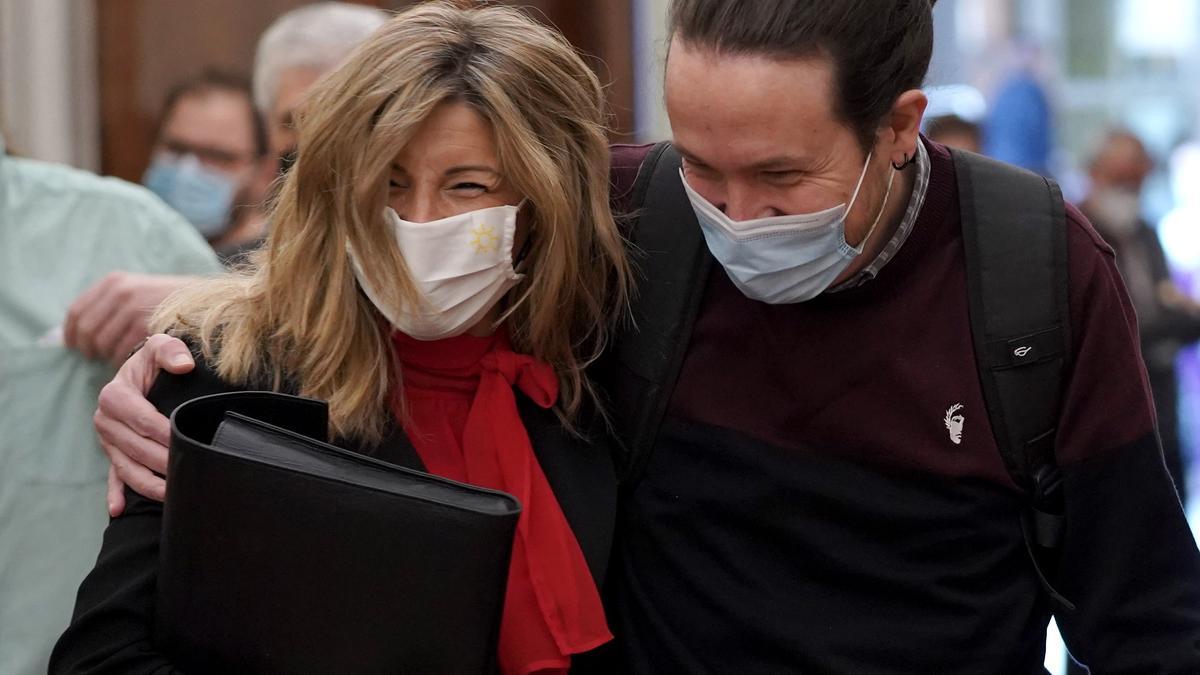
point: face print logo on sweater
(954, 423)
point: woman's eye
(393, 184)
(469, 187)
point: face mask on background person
(461, 265)
(202, 195)
(1117, 211)
(783, 259)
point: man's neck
(893, 215)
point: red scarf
(464, 424)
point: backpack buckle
(1046, 491)
(1045, 524)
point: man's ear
(902, 126)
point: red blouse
(463, 421)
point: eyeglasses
(215, 158)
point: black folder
(281, 553)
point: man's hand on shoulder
(132, 432)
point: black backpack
(1014, 229)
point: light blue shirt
(61, 230)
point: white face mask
(1117, 210)
(783, 259)
(462, 266)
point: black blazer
(110, 630)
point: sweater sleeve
(111, 627)
(1128, 561)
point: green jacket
(61, 230)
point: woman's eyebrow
(466, 169)
(455, 169)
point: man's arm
(109, 319)
(133, 433)
(151, 253)
(1128, 560)
(1178, 318)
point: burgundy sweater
(806, 509)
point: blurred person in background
(1019, 128)
(292, 54)
(955, 132)
(209, 149)
(60, 230)
(1167, 318)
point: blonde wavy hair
(296, 317)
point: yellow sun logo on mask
(485, 239)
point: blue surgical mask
(202, 195)
(783, 259)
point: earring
(908, 161)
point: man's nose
(742, 204)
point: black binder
(284, 554)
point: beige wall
(649, 54)
(48, 93)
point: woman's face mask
(455, 221)
(462, 266)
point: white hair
(317, 36)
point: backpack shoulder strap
(1014, 233)
(672, 264)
